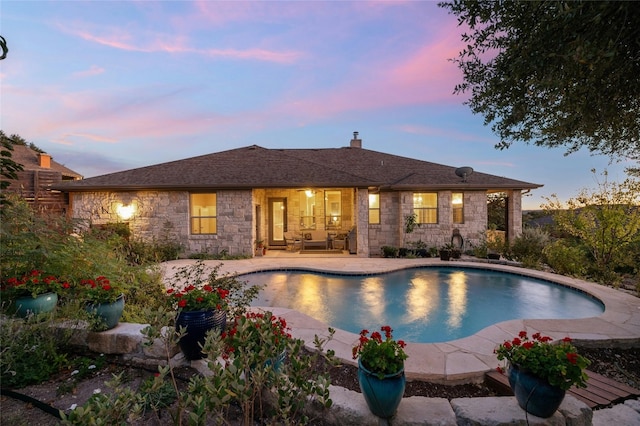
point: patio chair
(293, 243)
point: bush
(566, 259)
(31, 353)
(389, 251)
(528, 247)
(57, 245)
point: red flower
(572, 357)
(376, 336)
(528, 345)
(182, 303)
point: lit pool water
(422, 305)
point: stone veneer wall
(394, 206)
(165, 215)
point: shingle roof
(30, 160)
(257, 167)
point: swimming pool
(422, 305)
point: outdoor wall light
(125, 212)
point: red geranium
(33, 284)
(378, 355)
(99, 290)
(196, 298)
(556, 362)
(192, 288)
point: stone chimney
(355, 142)
(45, 160)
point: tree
(3, 47)
(496, 208)
(554, 73)
(606, 221)
(8, 168)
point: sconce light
(457, 199)
(125, 212)
(309, 193)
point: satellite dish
(464, 172)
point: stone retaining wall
(349, 407)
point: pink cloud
(119, 39)
(426, 77)
(66, 138)
(94, 70)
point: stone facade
(243, 217)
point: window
(333, 209)
(308, 209)
(425, 207)
(203, 215)
(457, 206)
(374, 209)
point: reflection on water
(309, 294)
(421, 305)
(421, 300)
(372, 295)
(457, 299)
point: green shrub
(528, 247)
(389, 251)
(566, 259)
(31, 352)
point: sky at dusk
(105, 86)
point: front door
(277, 221)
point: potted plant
(381, 370)
(261, 250)
(541, 371)
(445, 252)
(256, 338)
(104, 301)
(33, 293)
(200, 305)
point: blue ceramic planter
(534, 395)
(383, 396)
(108, 314)
(41, 304)
(198, 323)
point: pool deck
(458, 361)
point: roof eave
(461, 187)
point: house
(230, 199)
(38, 176)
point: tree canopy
(554, 73)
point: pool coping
(458, 361)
